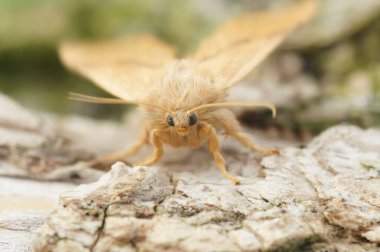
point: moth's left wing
(125, 67)
(243, 42)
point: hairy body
(182, 90)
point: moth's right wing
(123, 67)
(243, 42)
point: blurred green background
(30, 31)
(339, 52)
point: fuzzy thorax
(182, 87)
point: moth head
(182, 121)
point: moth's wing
(124, 67)
(243, 42)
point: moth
(184, 100)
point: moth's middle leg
(247, 143)
(124, 153)
(229, 123)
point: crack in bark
(258, 237)
(100, 230)
(325, 166)
(14, 229)
(374, 205)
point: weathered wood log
(325, 197)
(24, 206)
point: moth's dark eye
(193, 119)
(170, 120)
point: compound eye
(170, 120)
(193, 119)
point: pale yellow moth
(184, 99)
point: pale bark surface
(324, 197)
(24, 206)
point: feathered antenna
(236, 104)
(103, 100)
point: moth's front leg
(209, 132)
(158, 149)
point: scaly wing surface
(243, 42)
(124, 67)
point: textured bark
(322, 197)
(24, 206)
(46, 147)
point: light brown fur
(181, 90)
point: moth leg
(247, 143)
(228, 122)
(122, 154)
(158, 150)
(214, 149)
